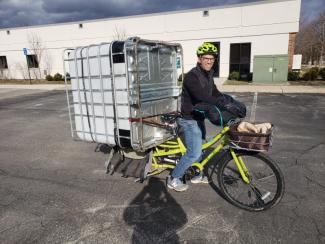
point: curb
(272, 89)
(47, 87)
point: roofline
(150, 14)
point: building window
(240, 59)
(3, 62)
(81, 26)
(205, 13)
(32, 61)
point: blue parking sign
(25, 51)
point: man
(198, 88)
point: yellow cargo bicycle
(247, 178)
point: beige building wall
(266, 25)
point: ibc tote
(115, 86)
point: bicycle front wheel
(266, 182)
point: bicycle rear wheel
(266, 186)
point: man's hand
(237, 109)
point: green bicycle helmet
(206, 48)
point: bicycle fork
(241, 166)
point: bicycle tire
(265, 189)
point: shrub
(322, 73)
(315, 69)
(67, 75)
(250, 76)
(293, 75)
(180, 78)
(49, 78)
(246, 76)
(58, 77)
(234, 75)
(311, 74)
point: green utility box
(270, 69)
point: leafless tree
(36, 47)
(119, 34)
(48, 62)
(23, 70)
(310, 40)
(319, 30)
(4, 74)
(44, 58)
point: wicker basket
(249, 140)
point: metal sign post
(25, 50)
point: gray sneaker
(200, 178)
(176, 184)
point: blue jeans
(193, 142)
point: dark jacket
(198, 86)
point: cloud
(21, 13)
(15, 13)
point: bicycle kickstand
(108, 161)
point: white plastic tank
(116, 87)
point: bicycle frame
(177, 147)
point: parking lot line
(253, 110)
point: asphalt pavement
(54, 189)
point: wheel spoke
(229, 179)
(259, 201)
(267, 186)
(265, 178)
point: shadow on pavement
(155, 215)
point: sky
(18, 13)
